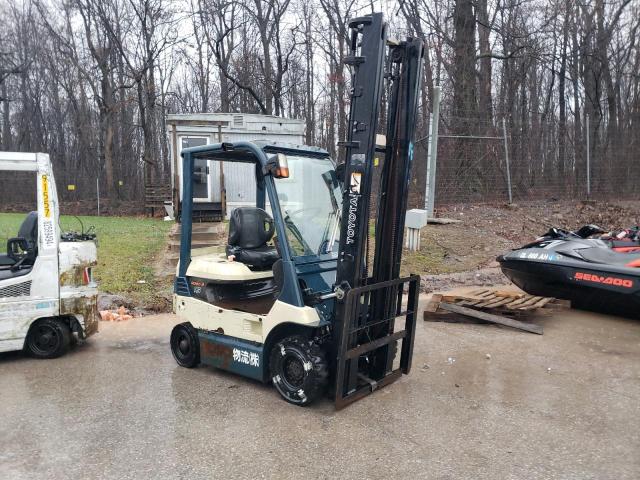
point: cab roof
(245, 151)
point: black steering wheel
(295, 213)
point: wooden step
(174, 245)
(201, 231)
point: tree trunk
(464, 69)
(266, 68)
(308, 84)
(484, 30)
(562, 100)
(6, 117)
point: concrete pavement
(563, 405)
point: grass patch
(127, 249)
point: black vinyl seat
(250, 229)
(29, 232)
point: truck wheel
(185, 345)
(48, 338)
(299, 369)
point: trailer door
(202, 175)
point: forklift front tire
(299, 370)
(48, 338)
(185, 345)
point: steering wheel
(310, 210)
(293, 227)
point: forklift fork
(358, 322)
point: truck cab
(48, 298)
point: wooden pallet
(505, 307)
(508, 302)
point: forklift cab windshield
(310, 199)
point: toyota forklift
(295, 298)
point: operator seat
(29, 231)
(250, 229)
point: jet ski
(590, 272)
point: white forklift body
(47, 300)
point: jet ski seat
(607, 256)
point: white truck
(48, 299)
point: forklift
(296, 299)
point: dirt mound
(477, 278)
(465, 253)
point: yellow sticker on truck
(47, 224)
(45, 196)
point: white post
(98, 193)
(413, 239)
(433, 153)
(506, 157)
(427, 186)
(588, 157)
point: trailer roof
(229, 117)
(237, 124)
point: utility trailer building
(218, 189)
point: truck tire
(185, 345)
(299, 370)
(48, 338)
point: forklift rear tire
(185, 345)
(48, 338)
(299, 370)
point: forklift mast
(368, 41)
(365, 315)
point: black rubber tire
(185, 345)
(48, 338)
(299, 370)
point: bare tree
(91, 81)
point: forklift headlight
(282, 168)
(278, 166)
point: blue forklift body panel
(232, 354)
